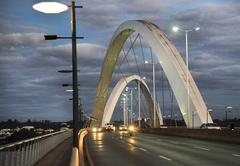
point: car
(126, 131)
(64, 127)
(96, 130)
(210, 126)
(131, 129)
(39, 131)
(122, 128)
(47, 131)
(29, 128)
(109, 127)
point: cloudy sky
(30, 86)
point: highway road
(149, 150)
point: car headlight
(131, 128)
(99, 129)
(94, 129)
(120, 128)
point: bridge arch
(116, 93)
(172, 64)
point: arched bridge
(171, 62)
(116, 93)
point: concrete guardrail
(77, 158)
(224, 135)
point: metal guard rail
(77, 158)
(28, 152)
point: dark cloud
(14, 40)
(29, 65)
(107, 14)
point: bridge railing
(28, 152)
(77, 158)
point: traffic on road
(147, 149)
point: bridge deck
(147, 149)
(59, 156)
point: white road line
(202, 148)
(142, 149)
(236, 155)
(164, 157)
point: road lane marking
(164, 157)
(236, 155)
(202, 148)
(142, 149)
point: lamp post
(131, 99)
(226, 111)
(131, 120)
(139, 102)
(208, 112)
(186, 31)
(154, 93)
(124, 108)
(139, 105)
(54, 8)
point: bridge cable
(129, 49)
(135, 58)
(142, 53)
(125, 58)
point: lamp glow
(197, 28)
(94, 129)
(131, 128)
(229, 107)
(210, 110)
(175, 29)
(50, 7)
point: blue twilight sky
(30, 86)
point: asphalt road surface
(109, 149)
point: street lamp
(54, 8)
(208, 112)
(66, 85)
(176, 29)
(50, 7)
(139, 102)
(154, 92)
(66, 71)
(131, 94)
(226, 111)
(124, 108)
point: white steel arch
(116, 93)
(172, 64)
